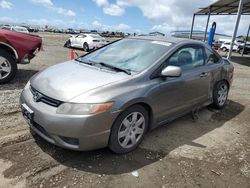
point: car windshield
(130, 54)
(95, 36)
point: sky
(141, 16)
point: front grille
(39, 97)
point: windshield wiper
(115, 68)
(88, 62)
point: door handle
(204, 74)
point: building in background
(156, 33)
(198, 35)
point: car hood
(68, 80)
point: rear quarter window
(211, 57)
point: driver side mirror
(171, 71)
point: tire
(224, 49)
(220, 94)
(137, 120)
(86, 47)
(8, 67)
(67, 44)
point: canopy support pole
(208, 19)
(192, 27)
(235, 28)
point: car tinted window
(187, 58)
(131, 54)
(211, 57)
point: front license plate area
(27, 113)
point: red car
(16, 48)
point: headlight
(27, 85)
(82, 109)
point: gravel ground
(213, 151)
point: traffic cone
(72, 54)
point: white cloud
(110, 9)
(59, 10)
(63, 11)
(6, 4)
(101, 2)
(113, 10)
(5, 19)
(169, 15)
(39, 21)
(103, 27)
(43, 2)
(57, 23)
(122, 27)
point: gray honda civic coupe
(112, 96)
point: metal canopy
(225, 7)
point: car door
(73, 41)
(178, 95)
(79, 41)
(214, 67)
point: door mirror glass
(171, 71)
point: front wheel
(8, 67)
(128, 130)
(220, 94)
(86, 47)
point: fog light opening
(69, 140)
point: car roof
(21, 27)
(167, 39)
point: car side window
(211, 58)
(187, 58)
(81, 36)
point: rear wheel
(86, 47)
(220, 94)
(8, 67)
(67, 44)
(241, 51)
(224, 49)
(128, 130)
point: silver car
(114, 95)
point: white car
(19, 29)
(226, 46)
(87, 41)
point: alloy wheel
(5, 68)
(131, 130)
(222, 94)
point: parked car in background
(87, 41)
(112, 96)
(31, 29)
(216, 44)
(72, 31)
(246, 48)
(7, 27)
(19, 29)
(16, 47)
(226, 46)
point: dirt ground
(213, 151)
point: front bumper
(85, 132)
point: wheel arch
(223, 80)
(144, 103)
(9, 49)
